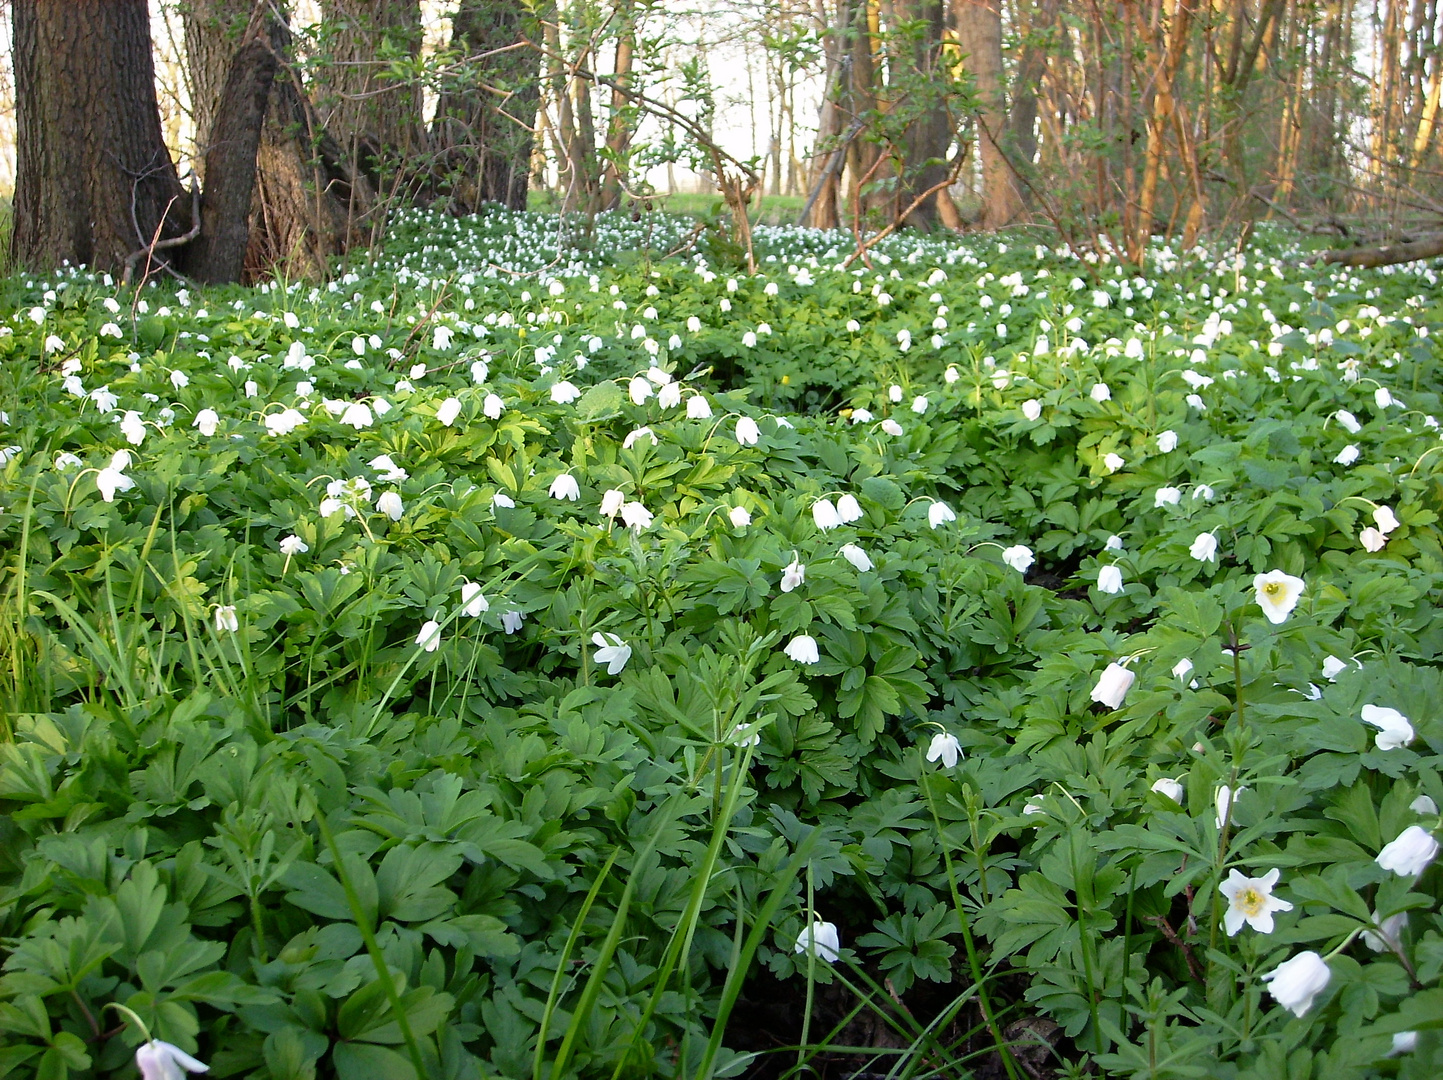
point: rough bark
(979, 29)
(94, 181)
(219, 253)
(375, 118)
(213, 30)
(485, 125)
(309, 203)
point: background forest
(1104, 121)
(871, 540)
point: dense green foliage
(345, 742)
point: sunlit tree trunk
(979, 30)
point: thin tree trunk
(979, 29)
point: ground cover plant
(504, 662)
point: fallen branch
(1426, 247)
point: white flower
(919, 404)
(564, 393)
(65, 461)
(1112, 462)
(639, 389)
(698, 408)
(1203, 491)
(891, 427)
(611, 651)
(861, 416)
(1114, 543)
(112, 478)
(1251, 901)
(739, 517)
(1372, 539)
(1223, 799)
(1113, 685)
(1101, 392)
(293, 545)
(1410, 853)
(441, 339)
(636, 516)
(749, 339)
(1109, 580)
(133, 428)
(389, 470)
(1347, 455)
(1169, 788)
(430, 636)
(1385, 520)
(53, 344)
(104, 400)
(611, 503)
(480, 371)
(1277, 594)
(1166, 496)
(894, 394)
(206, 420)
(473, 602)
(504, 500)
(1404, 1042)
(1394, 730)
(179, 379)
(358, 415)
(1167, 442)
(825, 514)
(1032, 408)
(803, 649)
(225, 618)
(565, 487)
(848, 509)
(159, 1060)
(1382, 398)
(1204, 547)
(1295, 982)
(794, 574)
(939, 513)
(1182, 669)
(1423, 804)
(1018, 556)
(944, 746)
(390, 504)
(640, 433)
(743, 735)
(821, 940)
(1389, 932)
(1195, 401)
(857, 557)
(669, 396)
(1348, 421)
(747, 431)
(448, 412)
(493, 407)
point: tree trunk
(620, 122)
(979, 29)
(213, 30)
(309, 203)
(484, 127)
(218, 253)
(928, 136)
(376, 119)
(94, 180)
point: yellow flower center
(1272, 588)
(1249, 901)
